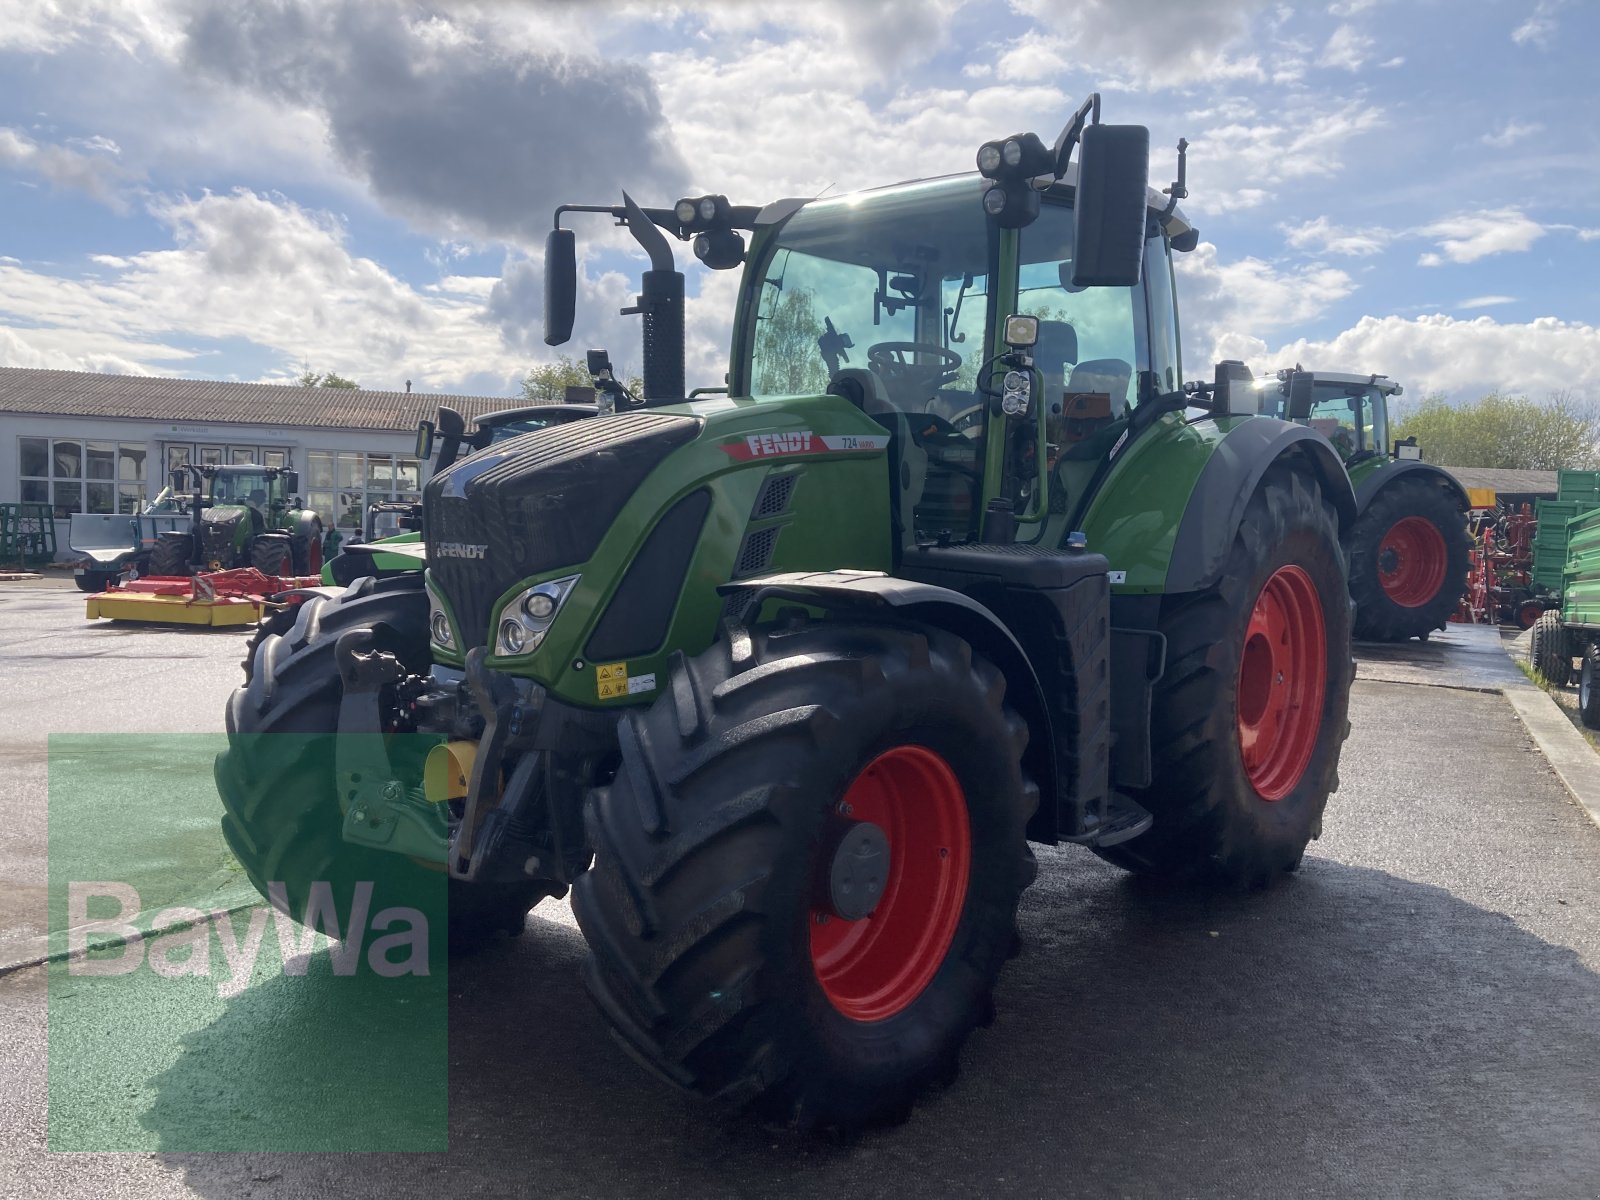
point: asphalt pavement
(1416, 1013)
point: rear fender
(1228, 480)
(1408, 468)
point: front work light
(695, 214)
(989, 160)
(1013, 204)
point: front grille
(534, 503)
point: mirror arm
(1178, 190)
(1073, 130)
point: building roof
(1502, 479)
(209, 401)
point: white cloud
(1347, 48)
(262, 270)
(1470, 236)
(94, 173)
(1321, 236)
(1465, 357)
(1540, 24)
(1155, 43)
(1238, 164)
(1510, 133)
(1486, 301)
(1229, 304)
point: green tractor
(243, 516)
(393, 542)
(1408, 549)
(783, 683)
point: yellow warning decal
(611, 680)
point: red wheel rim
(875, 967)
(1283, 672)
(1411, 561)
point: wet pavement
(1415, 1013)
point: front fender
(929, 604)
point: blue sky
(236, 191)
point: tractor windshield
(895, 281)
(241, 487)
(1351, 416)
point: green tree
(1504, 431)
(309, 378)
(548, 382)
(788, 362)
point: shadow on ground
(1347, 1033)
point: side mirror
(178, 476)
(1300, 396)
(451, 423)
(1109, 206)
(425, 432)
(560, 285)
(291, 483)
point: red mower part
(1412, 561)
(1283, 674)
(876, 967)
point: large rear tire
(172, 553)
(1248, 719)
(1589, 687)
(721, 951)
(305, 549)
(281, 812)
(1408, 561)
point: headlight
(988, 158)
(527, 617)
(1015, 381)
(994, 200)
(708, 208)
(1011, 153)
(439, 624)
(684, 210)
(513, 637)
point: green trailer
(1573, 631)
(782, 684)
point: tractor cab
(1350, 411)
(262, 491)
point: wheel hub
(1412, 561)
(1282, 676)
(859, 871)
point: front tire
(1248, 719)
(172, 553)
(271, 553)
(1408, 561)
(281, 813)
(719, 952)
(1547, 650)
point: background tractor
(245, 516)
(783, 683)
(393, 530)
(1408, 548)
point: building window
(339, 485)
(73, 475)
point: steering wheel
(893, 361)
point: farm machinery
(393, 535)
(247, 540)
(1572, 630)
(782, 684)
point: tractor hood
(535, 503)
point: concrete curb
(17, 576)
(35, 950)
(1564, 748)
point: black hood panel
(534, 503)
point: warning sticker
(802, 441)
(611, 680)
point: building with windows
(83, 442)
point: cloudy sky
(227, 190)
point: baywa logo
(460, 550)
(180, 939)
